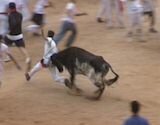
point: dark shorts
(18, 43)
(149, 13)
(38, 18)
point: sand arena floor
(44, 102)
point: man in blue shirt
(135, 119)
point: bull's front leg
(74, 89)
(99, 92)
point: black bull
(80, 61)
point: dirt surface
(45, 102)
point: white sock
(35, 69)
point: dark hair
(50, 33)
(135, 106)
(12, 5)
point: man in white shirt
(149, 10)
(68, 24)
(5, 50)
(49, 49)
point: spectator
(136, 119)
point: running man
(49, 49)
(68, 24)
(15, 33)
(38, 17)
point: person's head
(50, 33)
(12, 6)
(135, 107)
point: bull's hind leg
(99, 92)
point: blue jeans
(65, 27)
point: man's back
(136, 120)
(15, 23)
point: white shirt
(3, 5)
(3, 50)
(71, 10)
(40, 5)
(134, 6)
(49, 48)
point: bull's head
(56, 63)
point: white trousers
(113, 8)
(103, 9)
(3, 24)
(135, 21)
(54, 72)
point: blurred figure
(149, 10)
(135, 17)
(102, 13)
(5, 51)
(3, 17)
(15, 33)
(115, 7)
(49, 49)
(136, 119)
(68, 23)
(38, 17)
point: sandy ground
(44, 102)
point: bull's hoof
(67, 83)
(93, 98)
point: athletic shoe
(99, 20)
(27, 77)
(152, 30)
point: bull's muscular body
(80, 61)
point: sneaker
(99, 20)
(152, 30)
(27, 77)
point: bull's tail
(111, 81)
